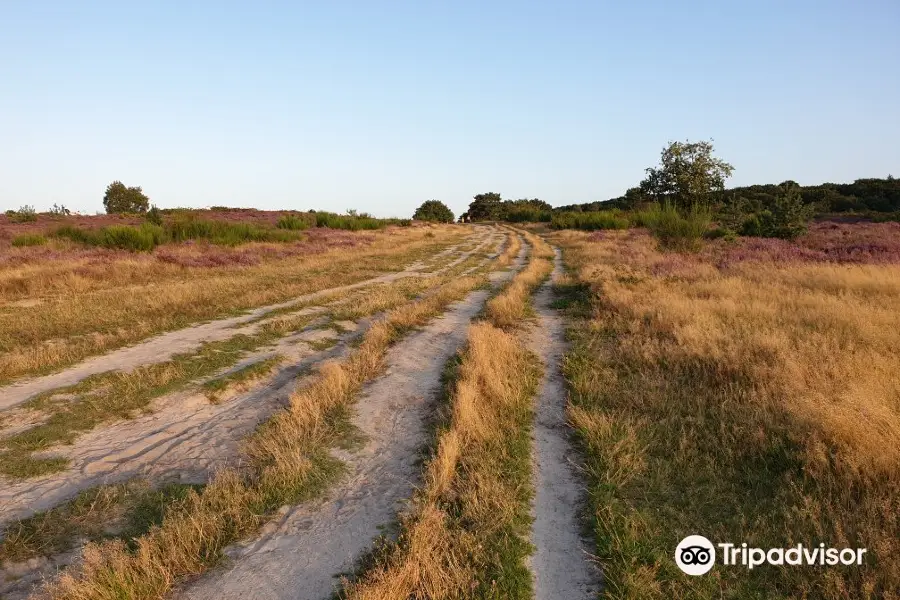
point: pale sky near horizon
(379, 106)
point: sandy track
(162, 347)
(184, 439)
(561, 564)
(299, 555)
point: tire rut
(300, 555)
(162, 347)
(561, 564)
(184, 439)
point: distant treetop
(121, 199)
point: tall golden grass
(510, 306)
(288, 461)
(466, 535)
(58, 312)
(760, 404)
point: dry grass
(115, 395)
(288, 462)
(510, 307)
(122, 510)
(59, 311)
(758, 403)
(511, 252)
(467, 533)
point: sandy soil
(184, 439)
(561, 564)
(301, 554)
(162, 347)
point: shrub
(788, 216)
(435, 211)
(76, 234)
(720, 232)
(124, 237)
(29, 239)
(676, 229)
(292, 223)
(122, 199)
(136, 239)
(590, 221)
(351, 222)
(225, 233)
(25, 214)
(154, 215)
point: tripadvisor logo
(696, 555)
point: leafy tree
(688, 174)
(485, 207)
(121, 199)
(434, 210)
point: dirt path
(184, 439)
(299, 555)
(162, 347)
(561, 564)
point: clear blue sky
(381, 105)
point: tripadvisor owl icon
(695, 555)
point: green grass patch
(676, 229)
(28, 239)
(124, 511)
(122, 395)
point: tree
(434, 210)
(121, 199)
(485, 207)
(688, 174)
(788, 216)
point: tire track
(299, 555)
(561, 564)
(162, 347)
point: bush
(226, 234)
(293, 223)
(154, 215)
(351, 222)
(434, 211)
(676, 229)
(124, 237)
(29, 239)
(25, 214)
(76, 234)
(788, 216)
(136, 239)
(590, 221)
(720, 232)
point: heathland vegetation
(684, 199)
(730, 370)
(745, 393)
